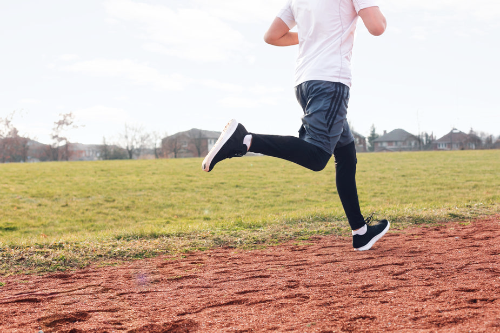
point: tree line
(426, 140)
(131, 143)
(135, 141)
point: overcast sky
(177, 64)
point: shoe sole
(224, 136)
(374, 239)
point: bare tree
(60, 142)
(156, 142)
(13, 146)
(128, 140)
(134, 139)
(198, 141)
(144, 142)
(7, 130)
(22, 148)
(486, 139)
(172, 144)
(105, 149)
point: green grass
(55, 216)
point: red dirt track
(427, 279)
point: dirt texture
(426, 279)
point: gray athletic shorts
(324, 122)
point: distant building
(396, 140)
(458, 140)
(192, 143)
(83, 152)
(39, 152)
(360, 142)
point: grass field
(54, 216)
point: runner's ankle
(247, 140)
(361, 231)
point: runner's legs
(324, 132)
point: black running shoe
(373, 234)
(230, 144)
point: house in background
(192, 143)
(39, 152)
(197, 143)
(83, 152)
(458, 140)
(396, 140)
(360, 142)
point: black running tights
(314, 158)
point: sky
(174, 65)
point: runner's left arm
(279, 34)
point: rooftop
(457, 136)
(395, 135)
(198, 133)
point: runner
(322, 82)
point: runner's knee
(321, 161)
(346, 155)
(318, 167)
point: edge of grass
(131, 245)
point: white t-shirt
(326, 37)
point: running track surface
(426, 279)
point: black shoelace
(369, 219)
